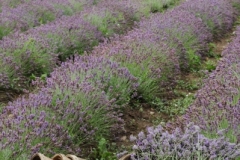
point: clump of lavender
(81, 102)
(34, 13)
(190, 144)
(152, 61)
(115, 81)
(217, 15)
(12, 3)
(21, 58)
(36, 51)
(147, 58)
(183, 31)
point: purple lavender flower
(186, 145)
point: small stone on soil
(123, 138)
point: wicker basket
(40, 156)
(126, 157)
(73, 157)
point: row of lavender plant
(35, 13)
(81, 102)
(165, 45)
(12, 3)
(215, 111)
(92, 91)
(217, 103)
(38, 50)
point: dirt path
(8, 96)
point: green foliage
(15, 3)
(224, 129)
(7, 153)
(68, 10)
(190, 85)
(153, 6)
(148, 87)
(189, 42)
(105, 23)
(1, 106)
(95, 2)
(37, 55)
(29, 59)
(210, 65)
(102, 152)
(141, 66)
(237, 6)
(210, 52)
(4, 30)
(88, 104)
(79, 46)
(208, 22)
(46, 17)
(193, 59)
(43, 77)
(177, 106)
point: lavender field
(91, 75)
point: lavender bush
(217, 15)
(191, 144)
(38, 58)
(217, 103)
(63, 38)
(12, 3)
(38, 51)
(186, 39)
(183, 31)
(147, 58)
(81, 102)
(35, 13)
(83, 99)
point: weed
(193, 59)
(211, 47)
(104, 22)
(178, 106)
(190, 85)
(223, 129)
(210, 65)
(6, 154)
(102, 151)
